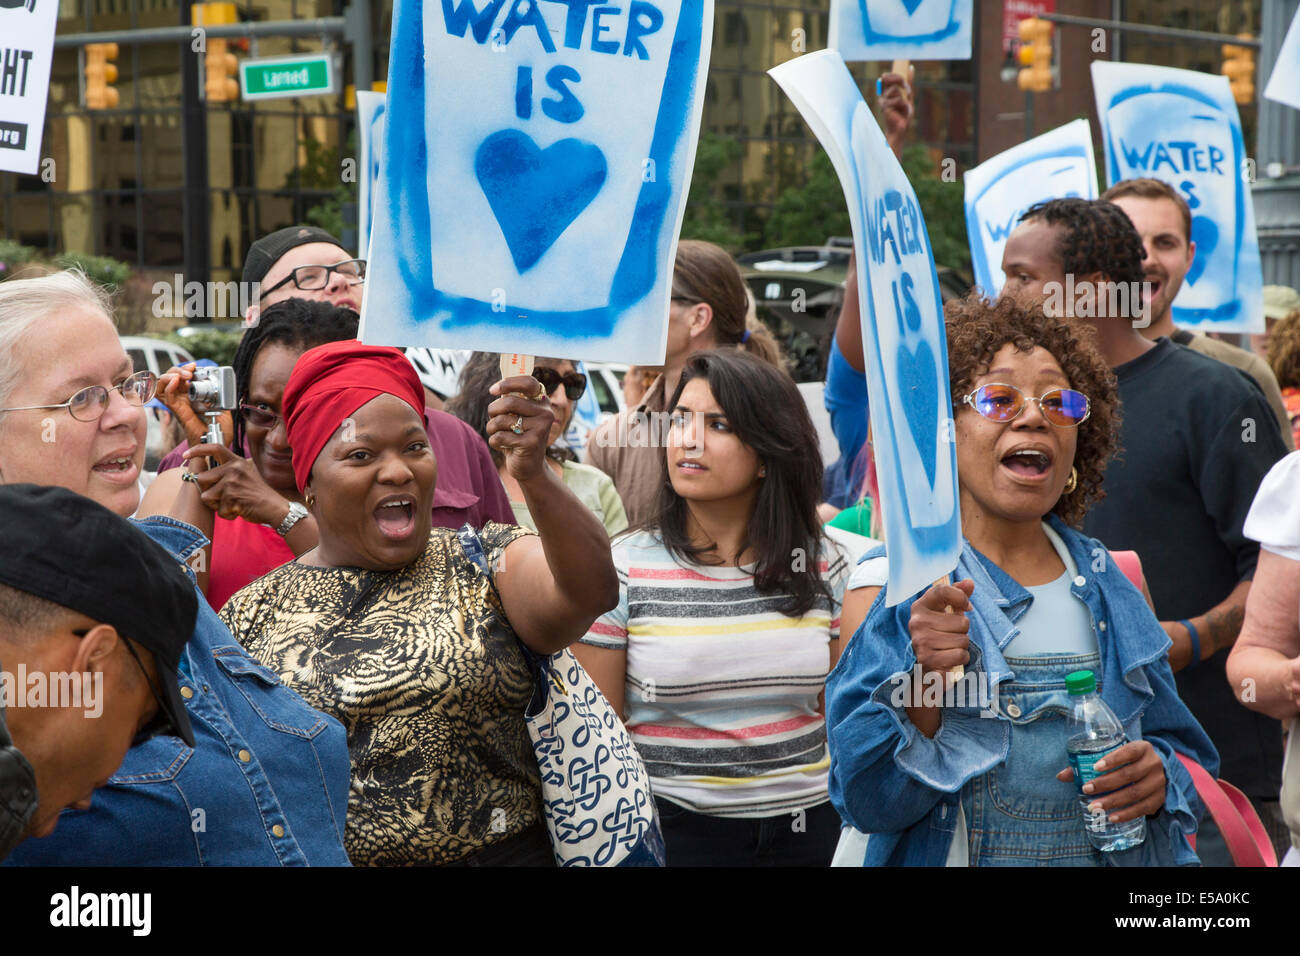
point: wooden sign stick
(957, 671)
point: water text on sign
(1176, 157)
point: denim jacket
(266, 785)
(903, 788)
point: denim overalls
(1018, 813)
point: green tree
(807, 214)
(706, 215)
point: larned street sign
(281, 76)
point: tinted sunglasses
(574, 383)
(1062, 407)
(257, 416)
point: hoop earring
(1072, 482)
(309, 499)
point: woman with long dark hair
(728, 623)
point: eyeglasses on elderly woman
(89, 403)
(1062, 407)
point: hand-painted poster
(370, 149)
(901, 29)
(1055, 165)
(536, 160)
(1182, 127)
(903, 338)
(25, 59)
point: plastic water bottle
(1095, 731)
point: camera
(212, 391)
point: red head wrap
(330, 382)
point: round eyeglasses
(89, 403)
(1062, 407)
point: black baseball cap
(76, 553)
(267, 251)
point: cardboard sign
(534, 173)
(901, 29)
(1284, 85)
(1182, 127)
(903, 338)
(1055, 165)
(25, 58)
(370, 149)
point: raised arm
(556, 584)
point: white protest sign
(901, 29)
(903, 338)
(370, 148)
(25, 58)
(1284, 84)
(534, 176)
(1055, 165)
(1182, 127)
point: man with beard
(1164, 221)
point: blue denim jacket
(891, 781)
(266, 785)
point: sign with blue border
(901, 29)
(903, 338)
(1182, 127)
(534, 175)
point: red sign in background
(1013, 11)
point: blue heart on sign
(918, 385)
(911, 5)
(1206, 236)
(535, 193)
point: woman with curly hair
(975, 773)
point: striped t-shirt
(721, 693)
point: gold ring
(541, 393)
(518, 426)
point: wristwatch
(296, 513)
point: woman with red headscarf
(390, 626)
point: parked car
(154, 355)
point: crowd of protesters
(294, 661)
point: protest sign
(901, 29)
(25, 61)
(903, 339)
(1284, 84)
(1055, 165)
(370, 147)
(534, 175)
(1182, 127)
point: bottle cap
(1080, 682)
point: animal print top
(422, 668)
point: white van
(154, 355)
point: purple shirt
(468, 490)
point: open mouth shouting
(395, 517)
(1028, 463)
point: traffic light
(1239, 68)
(1035, 55)
(101, 73)
(221, 67)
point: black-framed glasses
(312, 278)
(575, 383)
(255, 416)
(1062, 407)
(161, 722)
(89, 403)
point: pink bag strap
(1236, 819)
(1129, 563)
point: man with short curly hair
(1196, 441)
